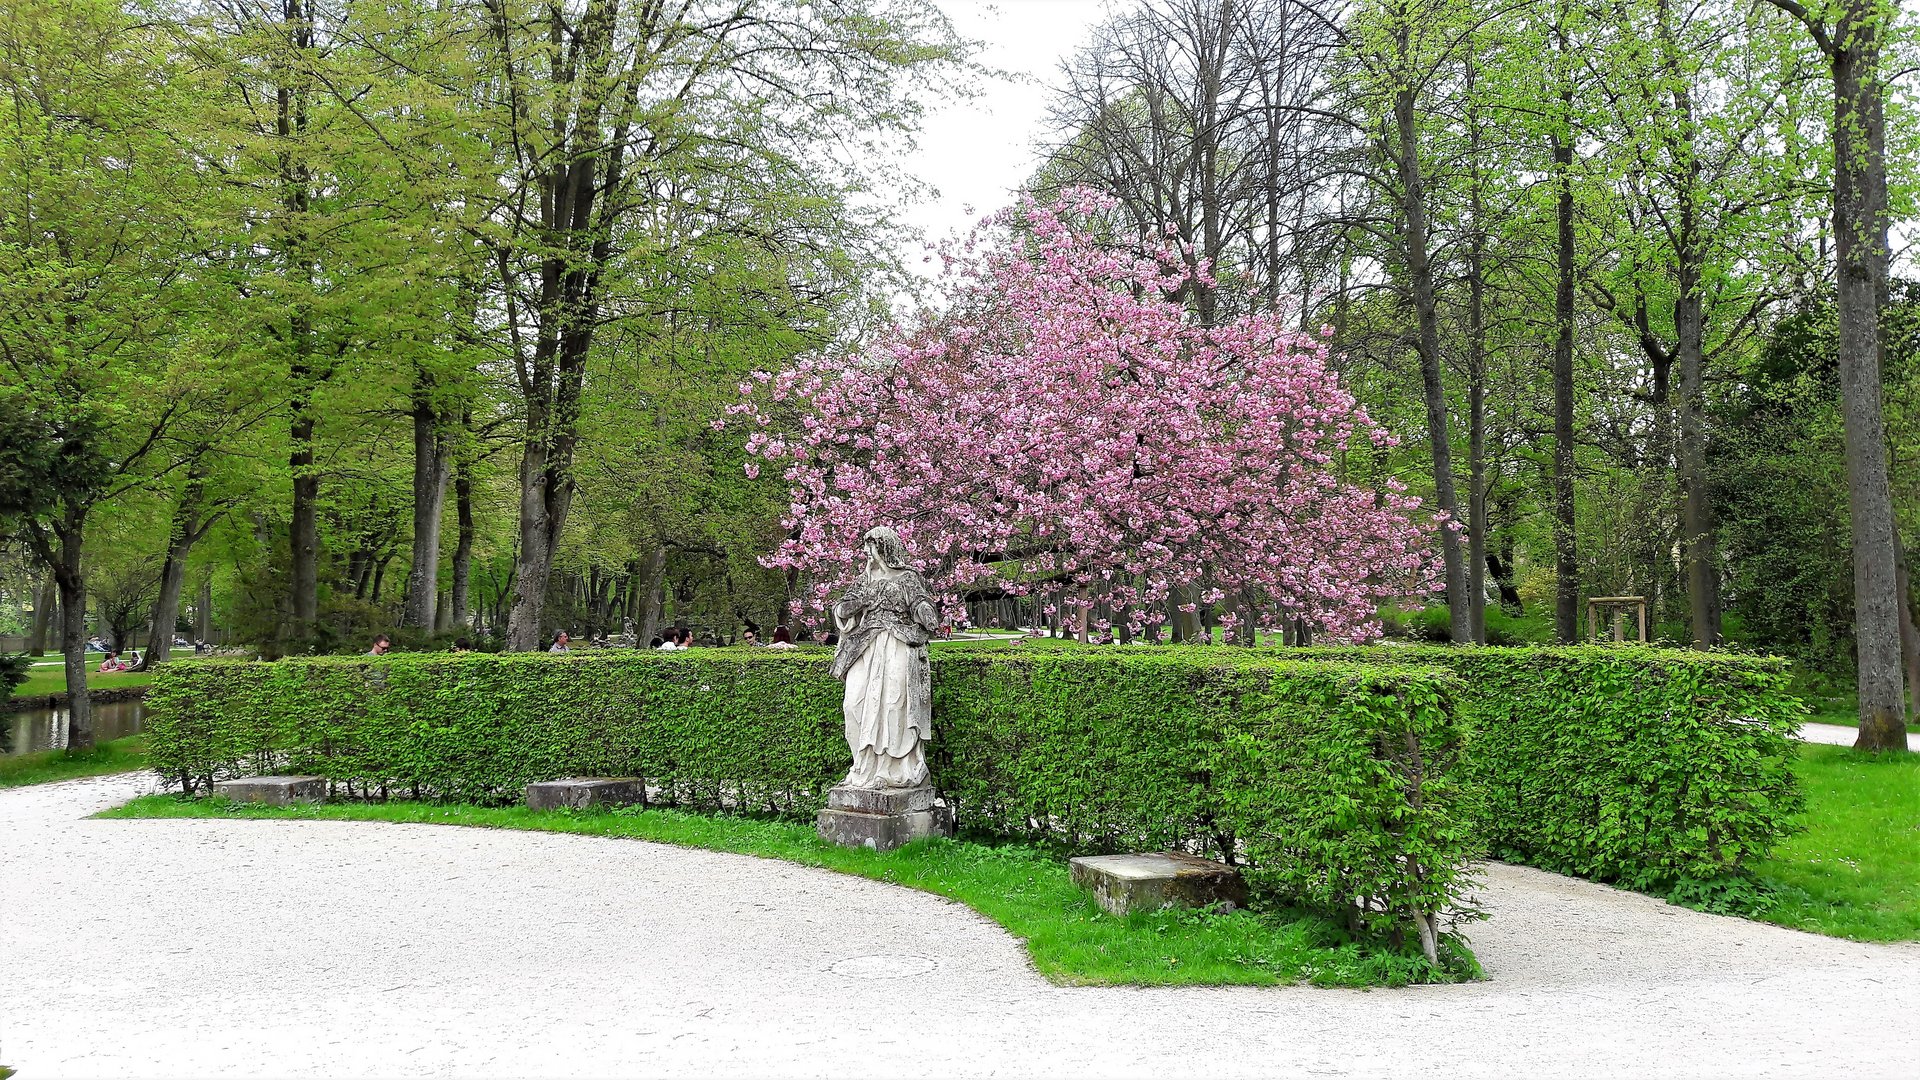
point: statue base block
(882, 819)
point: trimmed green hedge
(1631, 764)
(1330, 782)
(1643, 766)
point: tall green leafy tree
(1853, 35)
(102, 280)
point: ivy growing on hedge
(1332, 783)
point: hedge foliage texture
(1333, 783)
(1358, 780)
(1631, 764)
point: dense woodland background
(322, 317)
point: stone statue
(886, 799)
(882, 656)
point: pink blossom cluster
(1063, 429)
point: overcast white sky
(977, 152)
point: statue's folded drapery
(885, 620)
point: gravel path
(1836, 735)
(337, 949)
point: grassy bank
(1855, 871)
(1024, 889)
(46, 766)
(52, 680)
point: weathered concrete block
(579, 792)
(886, 801)
(273, 790)
(883, 832)
(1128, 883)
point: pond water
(46, 729)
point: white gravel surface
(1836, 735)
(334, 949)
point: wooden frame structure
(1616, 606)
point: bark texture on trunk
(46, 601)
(1860, 235)
(1566, 605)
(189, 524)
(1425, 306)
(1476, 397)
(296, 200)
(463, 543)
(70, 578)
(432, 466)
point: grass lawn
(46, 766)
(53, 680)
(1855, 872)
(1025, 889)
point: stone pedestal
(581, 792)
(882, 819)
(273, 790)
(1127, 883)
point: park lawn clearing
(1026, 889)
(1855, 871)
(47, 766)
(53, 680)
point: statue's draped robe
(883, 658)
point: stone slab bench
(1127, 883)
(273, 790)
(581, 792)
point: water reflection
(46, 729)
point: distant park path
(1836, 735)
(333, 949)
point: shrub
(1633, 764)
(1331, 782)
(14, 669)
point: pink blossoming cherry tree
(1063, 430)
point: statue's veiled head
(883, 545)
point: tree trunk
(187, 529)
(296, 200)
(1696, 509)
(203, 611)
(432, 464)
(546, 494)
(72, 584)
(653, 585)
(463, 543)
(46, 602)
(1909, 632)
(1860, 235)
(1566, 607)
(1420, 275)
(1476, 394)
(380, 574)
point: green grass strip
(52, 680)
(1855, 871)
(47, 766)
(1025, 889)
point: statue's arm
(850, 606)
(926, 615)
